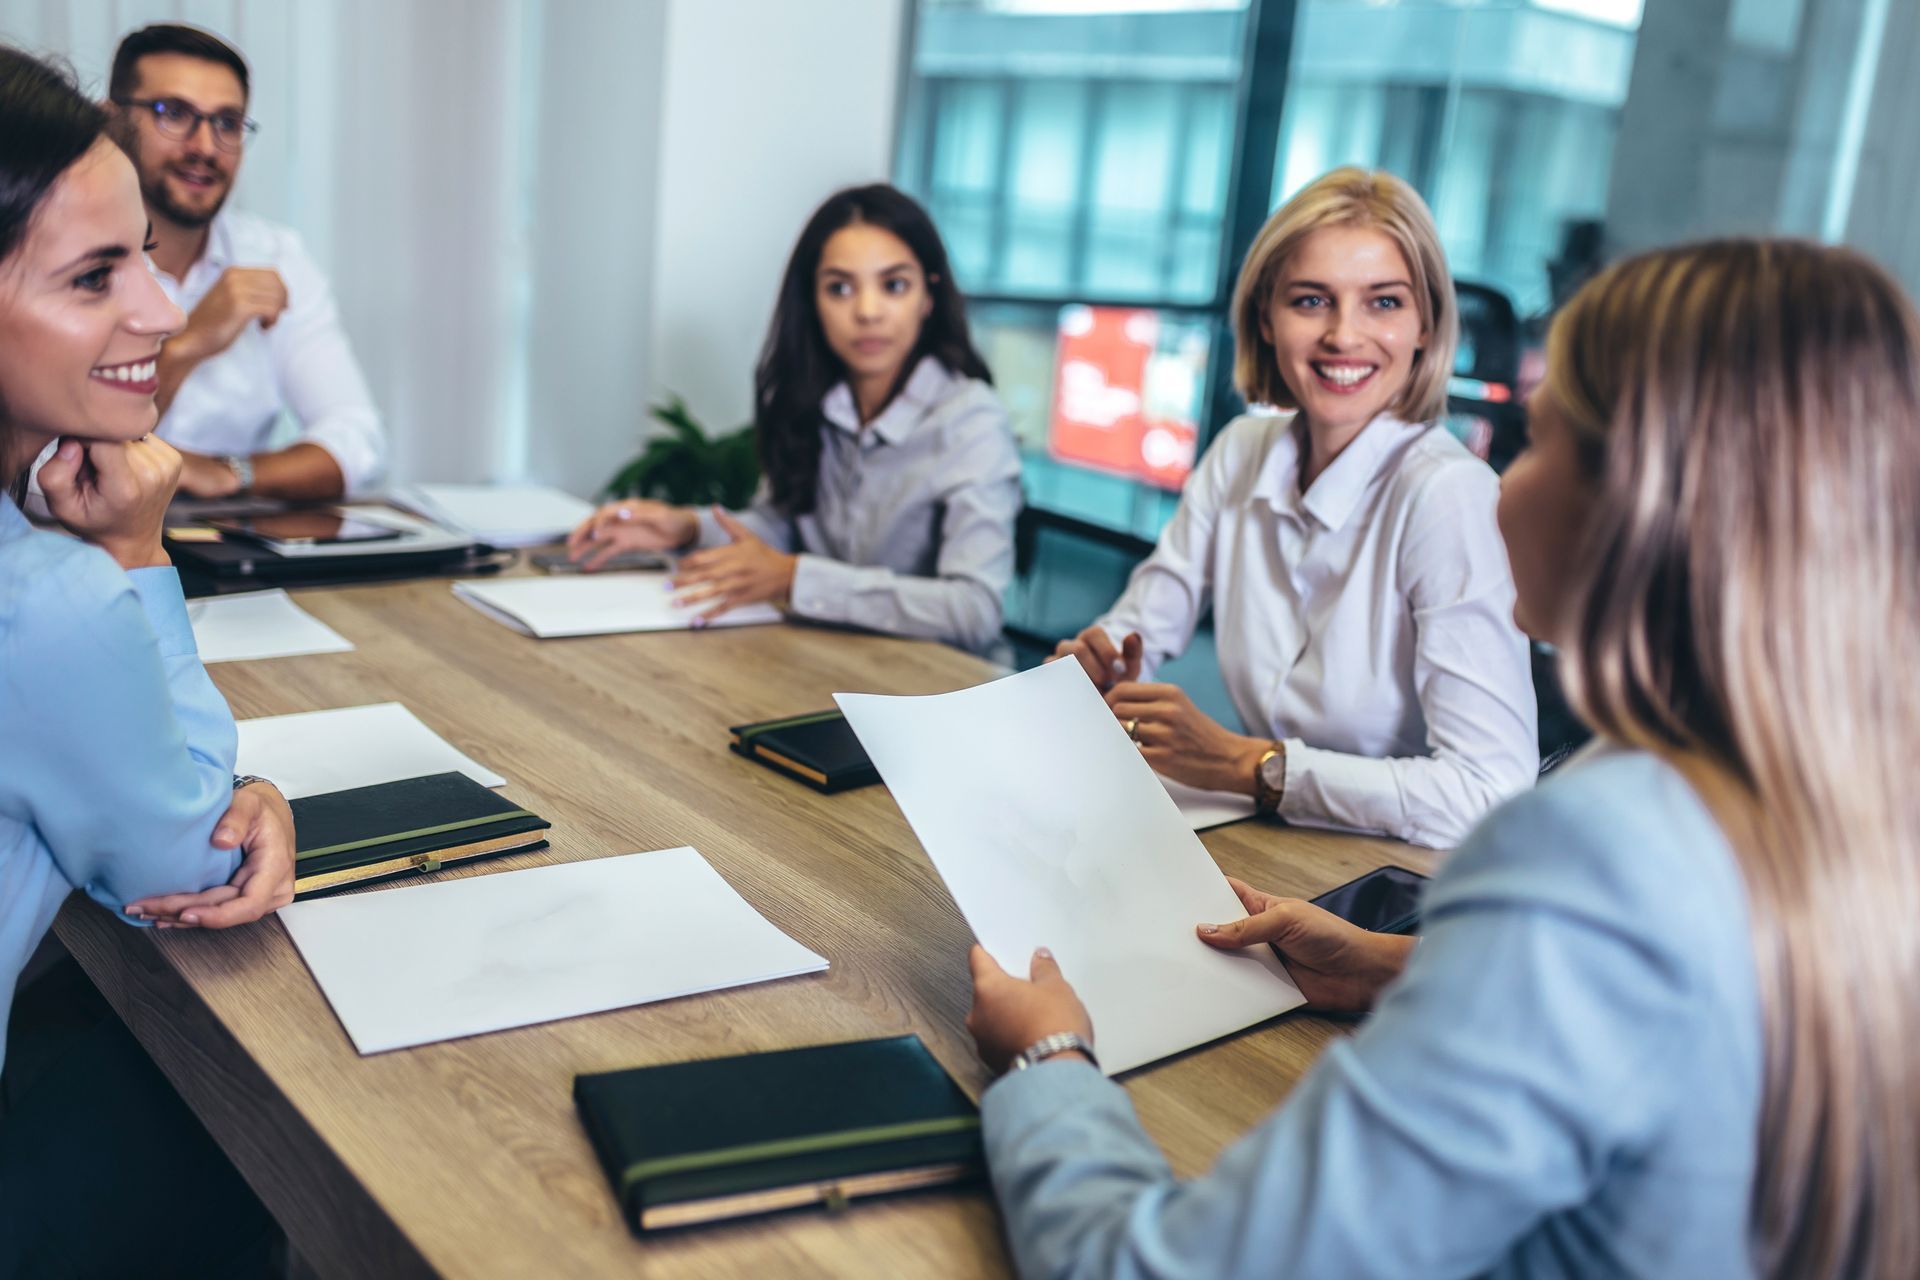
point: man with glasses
(263, 334)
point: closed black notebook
(820, 749)
(404, 828)
(694, 1142)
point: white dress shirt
(1367, 623)
(230, 403)
(912, 526)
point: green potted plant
(689, 468)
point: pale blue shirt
(912, 527)
(116, 751)
(1565, 1081)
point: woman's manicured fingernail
(189, 917)
(1209, 928)
(1043, 953)
(699, 623)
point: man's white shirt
(231, 402)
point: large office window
(1080, 159)
(1099, 166)
(1501, 112)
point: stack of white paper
(506, 515)
(259, 624)
(1203, 809)
(1050, 830)
(429, 962)
(593, 604)
(312, 753)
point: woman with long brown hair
(1661, 1021)
(889, 478)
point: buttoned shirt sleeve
(319, 379)
(1170, 591)
(124, 750)
(962, 602)
(1471, 675)
(1538, 1036)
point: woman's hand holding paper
(1182, 742)
(1105, 664)
(1013, 1014)
(745, 571)
(1339, 967)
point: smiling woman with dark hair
(890, 480)
(116, 751)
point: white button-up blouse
(1367, 623)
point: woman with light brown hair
(1362, 606)
(1662, 1019)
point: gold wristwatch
(1270, 779)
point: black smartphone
(626, 561)
(1385, 900)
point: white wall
(540, 215)
(768, 107)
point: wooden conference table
(465, 1158)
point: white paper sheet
(506, 515)
(311, 753)
(1203, 809)
(425, 962)
(593, 604)
(259, 624)
(1049, 829)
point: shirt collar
(219, 252)
(1337, 490)
(925, 387)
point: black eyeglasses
(178, 119)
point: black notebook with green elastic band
(820, 749)
(416, 825)
(694, 1142)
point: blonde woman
(1362, 604)
(1662, 1019)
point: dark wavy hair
(46, 124)
(797, 368)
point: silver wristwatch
(246, 780)
(1041, 1050)
(242, 467)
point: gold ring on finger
(1133, 728)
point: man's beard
(162, 203)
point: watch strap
(242, 467)
(1046, 1047)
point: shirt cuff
(361, 466)
(158, 589)
(821, 588)
(1020, 1100)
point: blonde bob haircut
(1349, 197)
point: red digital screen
(1127, 388)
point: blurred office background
(542, 215)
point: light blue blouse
(1565, 1081)
(116, 751)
